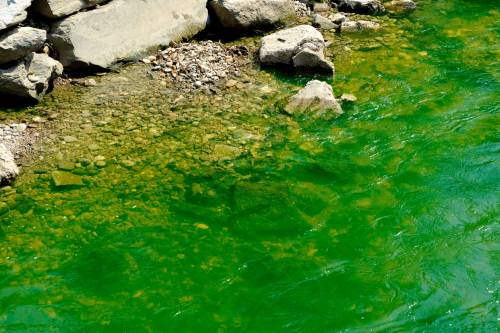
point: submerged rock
(301, 47)
(13, 12)
(60, 8)
(370, 7)
(122, 28)
(18, 42)
(252, 14)
(8, 168)
(66, 179)
(315, 99)
(31, 77)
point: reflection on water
(220, 214)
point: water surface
(220, 214)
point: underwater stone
(64, 179)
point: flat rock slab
(359, 26)
(13, 12)
(60, 8)
(31, 77)
(252, 14)
(315, 99)
(123, 28)
(20, 41)
(66, 179)
(8, 168)
(300, 47)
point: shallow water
(221, 214)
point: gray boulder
(301, 47)
(323, 23)
(252, 14)
(370, 7)
(60, 8)
(8, 168)
(31, 77)
(20, 41)
(359, 26)
(123, 28)
(13, 12)
(316, 99)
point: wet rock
(8, 168)
(315, 99)
(20, 41)
(59, 8)
(359, 26)
(66, 179)
(370, 7)
(155, 22)
(13, 12)
(324, 23)
(290, 47)
(401, 6)
(31, 77)
(348, 98)
(252, 14)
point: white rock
(8, 168)
(359, 26)
(252, 14)
(283, 47)
(60, 8)
(30, 77)
(400, 6)
(315, 99)
(12, 12)
(324, 23)
(122, 28)
(20, 41)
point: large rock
(18, 42)
(316, 100)
(13, 12)
(8, 168)
(60, 8)
(371, 7)
(301, 47)
(252, 14)
(31, 77)
(123, 28)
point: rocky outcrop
(122, 28)
(18, 42)
(316, 100)
(59, 8)
(8, 168)
(370, 7)
(359, 26)
(252, 14)
(13, 12)
(31, 77)
(301, 47)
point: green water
(219, 214)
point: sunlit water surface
(223, 215)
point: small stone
(66, 165)
(69, 139)
(348, 98)
(100, 164)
